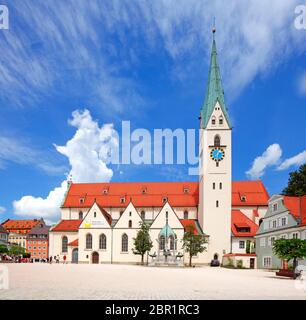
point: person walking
(50, 260)
(57, 259)
(64, 259)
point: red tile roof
(148, 194)
(186, 223)
(296, 206)
(67, 225)
(303, 208)
(74, 243)
(20, 226)
(240, 220)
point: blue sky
(146, 62)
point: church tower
(215, 176)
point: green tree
(297, 183)
(142, 242)
(3, 249)
(16, 250)
(290, 249)
(193, 244)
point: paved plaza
(44, 281)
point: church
(99, 220)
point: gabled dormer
(96, 218)
(130, 218)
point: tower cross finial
(214, 26)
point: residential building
(285, 218)
(3, 236)
(37, 241)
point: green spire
(214, 91)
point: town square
(164, 162)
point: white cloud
(2, 210)
(87, 153)
(297, 160)
(253, 37)
(302, 84)
(270, 157)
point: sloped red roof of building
(20, 226)
(296, 206)
(303, 207)
(148, 194)
(74, 243)
(187, 223)
(240, 220)
(67, 225)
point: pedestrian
(57, 259)
(64, 259)
(50, 260)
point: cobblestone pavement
(44, 281)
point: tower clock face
(217, 154)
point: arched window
(64, 244)
(172, 243)
(213, 120)
(80, 215)
(162, 241)
(102, 242)
(221, 120)
(143, 215)
(130, 223)
(88, 241)
(217, 204)
(220, 186)
(186, 215)
(124, 243)
(217, 141)
(214, 185)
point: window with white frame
(284, 221)
(241, 244)
(267, 262)
(262, 242)
(274, 223)
(295, 235)
(275, 207)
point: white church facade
(100, 220)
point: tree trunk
(190, 260)
(294, 266)
(142, 259)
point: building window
(64, 244)
(221, 120)
(165, 199)
(124, 243)
(172, 243)
(217, 204)
(274, 224)
(262, 242)
(213, 120)
(162, 242)
(102, 242)
(243, 198)
(284, 221)
(186, 215)
(80, 215)
(272, 239)
(122, 200)
(241, 244)
(220, 185)
(217, 141)
(95, 214)
(275, 207)
(88, 241)
(82, 200)
(130, 223)
(267, 262)
(186, 190)
(295, 235)
(214, 186)
(217, 163)
(143, 215)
